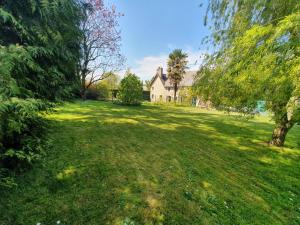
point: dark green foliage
(39, 51)
(131, 90)
(92, 94)
(39, 43)
(22, 131)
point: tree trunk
(83, 94)
(278, 136)
(83, 88)
(280, 132)
(175, 91)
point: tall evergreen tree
(39, 46)
(39, 54)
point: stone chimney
(159, 71)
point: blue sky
(151, 29)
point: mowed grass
(119, 165)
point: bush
(98, 91)
(92, 94)
(186, 96)
(103, 90)
(21, 134)
(131, 90)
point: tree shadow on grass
(153, 165)
(158, 115)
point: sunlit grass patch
(153, 164)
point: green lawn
(111, 164)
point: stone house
(162, 90)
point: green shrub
(22, 131)
(104, 90)
(131, 90)
(92, 94)
(99, 91)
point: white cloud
(146, 67)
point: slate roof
(187, 80)
(163, 79)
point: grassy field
(118, 165)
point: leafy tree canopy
(177, 64)
(257, 58)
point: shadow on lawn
(155, 161)
(154, 165)
(200, 125)
(157, 115)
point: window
(152, 96)
(152, 87)
(169, 89)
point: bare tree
(100, 47)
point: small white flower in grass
(226, 206)
(38, 224)
(58, 222)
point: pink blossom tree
(101, 42)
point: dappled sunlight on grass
(66, 173)
(206, 185)
(69, 116)
(121, 120)
(112, 164)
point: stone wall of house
(160, 93)
(157, 91)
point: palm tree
(177, 64)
